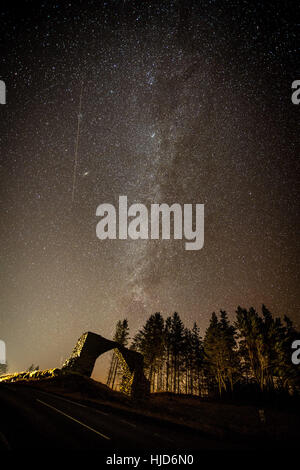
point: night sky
(182, 102)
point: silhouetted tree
(167, 341)
(192, 360)
(265, 345)
(220, 352)
(197, 378)
(150, 342)
(176, 347)
(121, 336)
(256, 348)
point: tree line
(254, 350)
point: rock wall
(90, 346)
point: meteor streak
(79, 117)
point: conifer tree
(149, 341)
(121, 336)
(220, 352)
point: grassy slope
(212, 417)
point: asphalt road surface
(33, 420)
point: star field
(185, 102)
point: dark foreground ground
(55, 415)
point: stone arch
(91, 345)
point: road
(32, 419)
